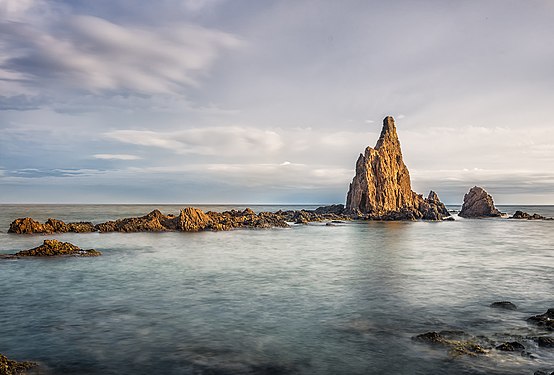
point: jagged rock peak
(381, 188)
(388, 134)
(382, 181)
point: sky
(220, 101)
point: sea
(309, 299)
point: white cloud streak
(117, 157)
(87, 53)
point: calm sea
(312, 299)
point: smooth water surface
(312, 299)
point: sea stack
(478, 203)
(381, 188)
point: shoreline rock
(51, 248)
(545, 320)
(11, 367)
(507, 305)
(478, 203)
(190, 219)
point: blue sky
(215, 101)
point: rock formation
(478, 203)
(381, 188)
(525, 216)
(28, 225)
(55, 248)
(190, 219)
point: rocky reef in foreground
(11, 367)
(51, 248)
(381, 188)
(190, 219)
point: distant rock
(478, 203)
(545, 320)
(336, 209)
(525, 216)
(190, 219)
(381, 188)
(28, 226)
(51, 248)
(503, 305)
(11, 367)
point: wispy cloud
(117, 157)
(92, 54)
(231, 140)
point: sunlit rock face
(381, 188)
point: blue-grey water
(312, 299)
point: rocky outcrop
(381, 188)
(190, 219)
(478, 203)
(525, 216)
(51, 248)
(11, 367)
(28, 225)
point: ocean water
(311, 299)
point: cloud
(117, 157)
(233, 140)
(92, 54)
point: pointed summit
(382, 188)
(388, 134)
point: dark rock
(525, 216)
(478, 203)
(337, 209)
(513, 346)
(503, 305)
(11, 367)
(545, 342)
(381, 188)
(545, 320)
(56, 248)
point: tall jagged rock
(381, 188)
(478, 203)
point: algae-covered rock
(56, 248)
(11, 367)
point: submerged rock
(503, 305)
(464, 346)
(513, 346)
(545, 320)
(478, 203)
(56, 248)
(381, 188)
(11, 367)
(545, 342)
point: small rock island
(51, 248)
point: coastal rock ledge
(381, 188)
